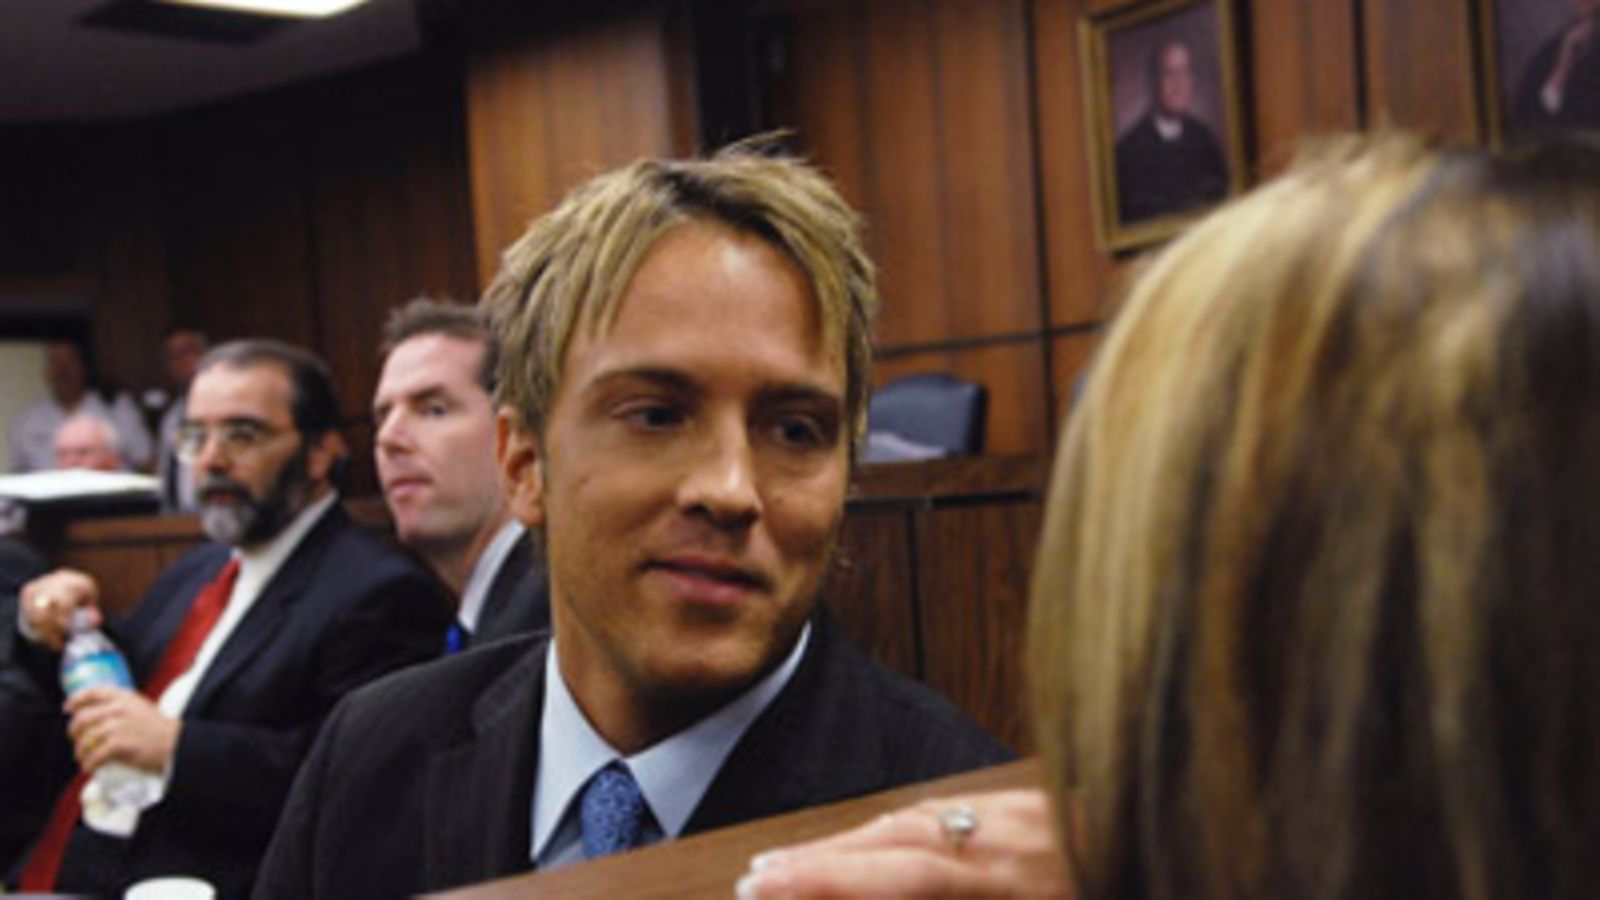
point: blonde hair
(1315, 612)
(572, 266)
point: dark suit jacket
(425, 780)
(519, 597)
(1158, 177)
(35, 760)
(343, 609)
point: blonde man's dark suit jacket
(425, 780)
(342, 609)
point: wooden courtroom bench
(931, 577)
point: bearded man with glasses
(240, 648)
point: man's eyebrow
(255, 421)
(790, 392)
(678, 382)
(671, 379)
(426, 392)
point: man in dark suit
(1169, 162)
(240, 649)
(684, 372)
(31, 774)
(434, 444)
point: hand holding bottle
(50, 601)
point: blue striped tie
(611, 812)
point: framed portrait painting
(1164, 112)
(1543, 66)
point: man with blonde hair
(684, 354)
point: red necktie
(45, 862)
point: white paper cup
(176, 887)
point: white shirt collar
(257, 566)
(673, 774)
(476, 592)
(1169, 127)
(259, 563)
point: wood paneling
(547, 110)
(974, 608)
(389, 220)
(128, 246)
(1078, 270)
(238, 244)
(302, 215)
(1069, 361)
(1013, 372)
(1419, 66)
(920, 108)
(1305, 58)
(872, 591)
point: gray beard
(256, 521)
(226, 524)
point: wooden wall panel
(872, 590)
(1079, 271)
(920, 107)
(974, 611)
(546, 110)
(127, 244)
(1014, 373)
(1304, 55)
(1419, 66)
(389, 220)
(239, 245)
(302, 215)
(1069, 360)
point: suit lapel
(479, 818)
(267, 615)
(807, 736)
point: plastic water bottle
(116, 794)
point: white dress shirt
(476, 593)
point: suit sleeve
(286, 869)
(228, 773)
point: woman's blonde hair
(1316, 612)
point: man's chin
(224, 523)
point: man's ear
(521, 468)
(323, 453)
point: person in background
(68, 375)
(1169, 161)
(1320, 621)
(240, 648)
(181, 352)
(684, 356)
(88, 442)
(434, 422)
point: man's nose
(721, 483)
(393, 434)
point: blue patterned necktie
(611, 812)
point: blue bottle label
(105, 667)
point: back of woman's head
(1317, 607)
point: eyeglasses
(237, 438)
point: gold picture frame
(1167, 143)
(1520, 43)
